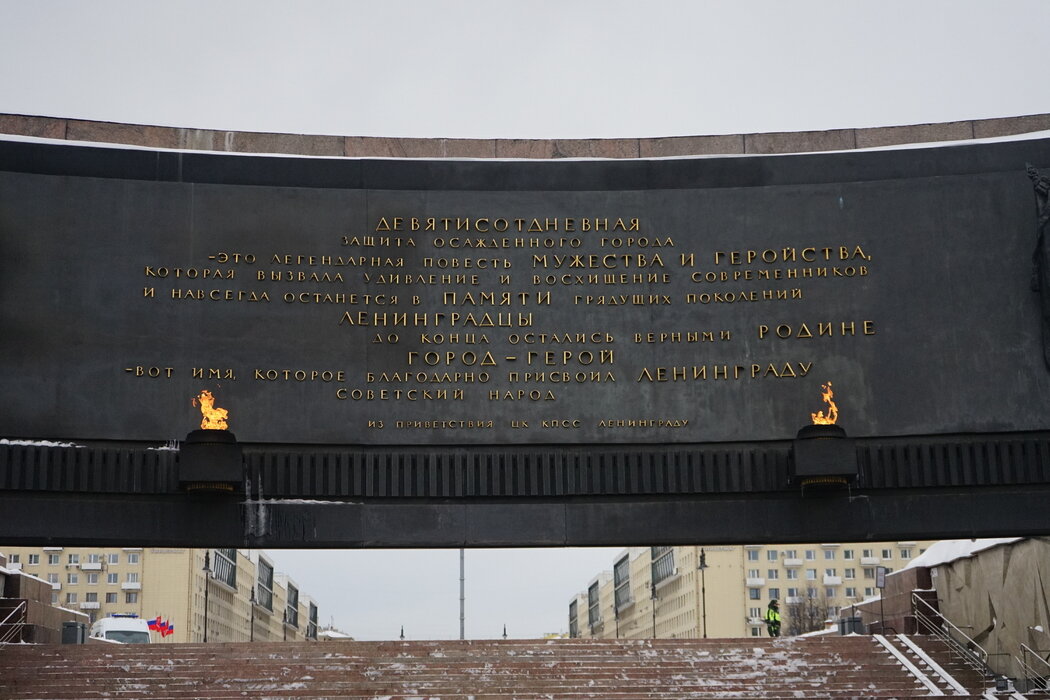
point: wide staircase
(827, 666)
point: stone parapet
(517, 149)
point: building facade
(239, 596)
(684, 591)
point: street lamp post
(703, 588)
(207, 581)
(653, 599)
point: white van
(122, 629)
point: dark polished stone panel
(902, 277)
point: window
(831, 572)
(111, 597)
(112, 578)
(847, 554)
(574, 623)
(869, 592)
(594, 615)
(790, 554)
(311, 624)
(752, 555)
(755, 631)
(773, 574)
(868, 553)
(291, 608)
(851, 592)
(829, 554)
(811, 592)
(792, 574)
(774, 593)
(92, 579)
(91, 597)
(754, 593)
(131, 597)
(663, 563)
(869, 572)
(225, 566)
(71, 598)
(133, 557)
(73, 559)
(792, 593)
(887, 554)
(54, 559)
(754, 612)
(113, 558)
(753, 573)
(72, 579)
(851, 573)
(52, 578)
(771, 555)
(34, 559)
(622, 582)
(94, 559)
(132, 577)
(14, 559)
(905, 554)
(264, 585)
(811, 554)
(830, 592)
(811, 574)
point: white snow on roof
(947, 551)
(333, 634)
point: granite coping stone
(149, 136)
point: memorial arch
(481, 343)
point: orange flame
(833, 411)
(214, 418)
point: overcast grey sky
(526, 589)
(538, 69)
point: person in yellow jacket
(773, 619)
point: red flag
(170, 630)
(154, 624)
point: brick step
(620, 670)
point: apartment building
(675, 592)
(238, 596)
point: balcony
(56, 586)
(91, 566)
(870, 561)
(832, 580)
(792, 562)
(90, 605)
(793, 599)
(756, 581)
(131, 586)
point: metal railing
(930, 621)
(1035, 668)
(12, 623)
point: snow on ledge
(947, 551)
